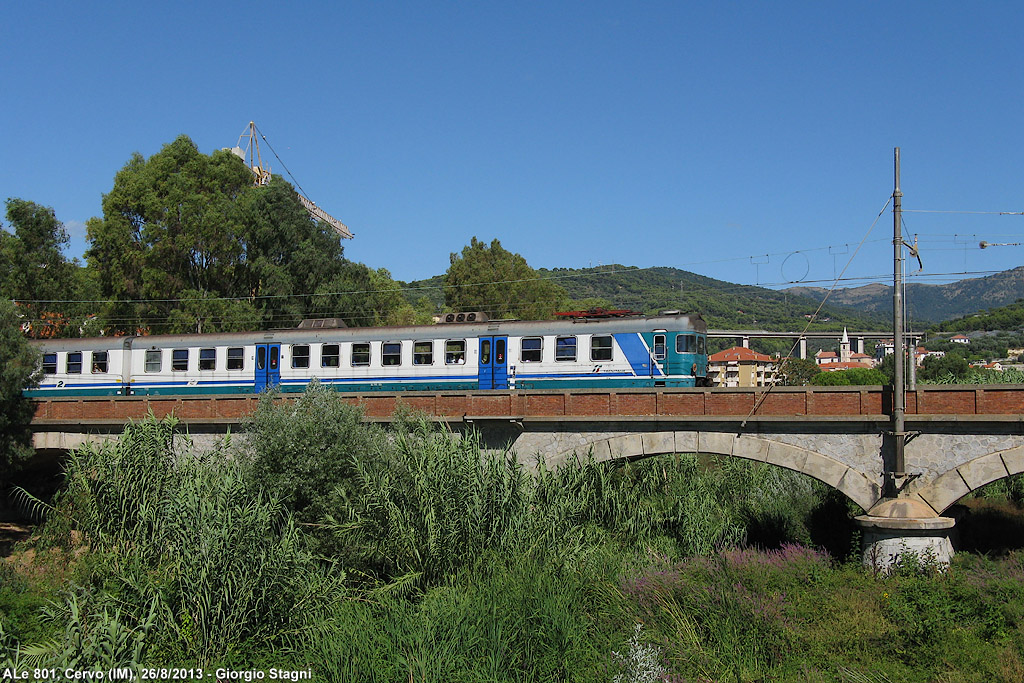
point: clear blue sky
(697, 135)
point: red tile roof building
(740, 367)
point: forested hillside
(931, 303)
(1004, 318)
(649, 290)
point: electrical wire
(775, 373)
(985, 213)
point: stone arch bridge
(961, 437)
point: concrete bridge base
(903, 528)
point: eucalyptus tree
(187, 242)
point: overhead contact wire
(764, 395)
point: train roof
(674, 322)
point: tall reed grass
(186, 556)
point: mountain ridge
(930, 303)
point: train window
(49, 364)
(455, 352)
(391, 353)
(499, 351)
(261, 357)
(275, 356)
(153, 360)
(99, 361)
(423, 353)
(330, 356)
(485, 352)
(75, 363)
(360, 354)
(179, 360)
(207, 359)
(686, 343)
(300, 356)
(565, 348)
(236, 358)
(659, 347)
(701, 348)
(601, 347)
(531, 349)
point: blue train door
(268, 366)
(493, 372)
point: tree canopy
(35, 272)
(187, 243)
(19, 368)
(937, 367)
(32, 264)
(491, 279)
(798, 372)
(853, 376)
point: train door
(659, 354)
(268, 366)
(493, 369)
(126, 367)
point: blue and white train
(668, 350)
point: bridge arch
(839, 476)
(954, 484)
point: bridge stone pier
(961, 437)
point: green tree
(799, 372)
(363, 297)
(170, 224)
(831, 379)
(491, 279)
(34, 271)
(935, 367)
(853, 376)
(187, 242)
(32, 264)
(19, 369)
(419, 313)
(591, 302)
(201, 312)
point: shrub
(303, 450)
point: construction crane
(252, 157)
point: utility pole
(899, 385)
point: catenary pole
(899, 385)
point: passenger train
(469, 353)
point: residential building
(740, 367)
(826, 358)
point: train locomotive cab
(679, 357)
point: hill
(1003, 319)
(930, 303)
(723, 304)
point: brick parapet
(779, 402)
